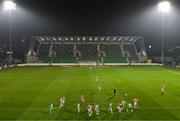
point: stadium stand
(88, 52)
(131, 52)
(45, 49)
(63, 54)
(113, 54)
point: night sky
(91, 18)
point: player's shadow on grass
(105, 115)
(93, 93)
(128, 115)
(44, 112)
(47, 112)
(116, 116)
(110, 98)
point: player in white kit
(121, 106)
(96, 108)
(82, 98)
(51, 108)
(130, 107)
(162, 89)
(135, 102)
(110, 108)
(89, 108)
(79, 107)
(62, 101)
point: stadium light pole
(164, 8)
(9, 6)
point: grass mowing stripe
(152, 95)
(73, 81)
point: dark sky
(87, 17)
(92, 17)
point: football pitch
(27, 92)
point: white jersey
(135, 102)
(97, 109)
(162, 89)
(78, 107)
(120, 106)
(51, 108)
(130, 105)
(89, 110)
(62, 101)
(83, 98)
(110, 108)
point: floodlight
(9, 5)
(150, 46)
(164, 6)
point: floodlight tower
(9, 6)
(164, 8)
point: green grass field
(27, 92)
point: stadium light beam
(164, 8)
(9, 5)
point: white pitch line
(94, 120)
(142, 108)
